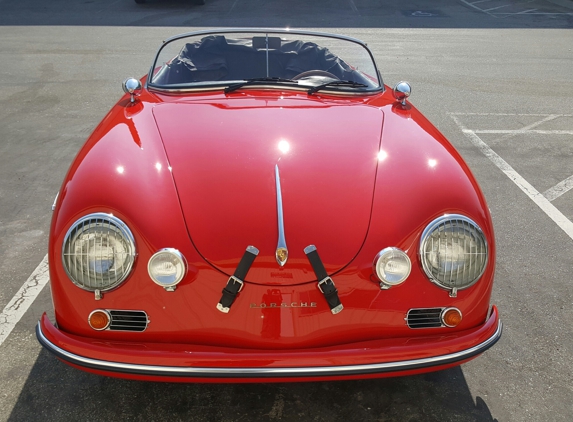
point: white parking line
(536, 13)
(526, 12)
(495, 8)
(467, 3)
(531, 126)
(495, 14)
(232, 7)
(522, 131)
(541, 201)
(559, 189)
(353, 6)
(508, 114)
(22, 300)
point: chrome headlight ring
(98, 252)
(453, 252)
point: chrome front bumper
(150, 371)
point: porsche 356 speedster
(261, 207)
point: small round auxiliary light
(392, 266)
(451, 317)
(99, 319)
(167, 268)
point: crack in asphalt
(23, 299)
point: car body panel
(225, 175)
(399, 216)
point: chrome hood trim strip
(281, 253)
(228, 372)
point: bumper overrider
(185, 362)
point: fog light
(451, 317)
(167, 268)
(392, 266)
(99, 319)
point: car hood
(223, 158)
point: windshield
(244, 59)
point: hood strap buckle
(235, 283)
(325, 284)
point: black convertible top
(217, 58)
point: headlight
(453, 252)
(167, 268)
(392, 266)
(98, 252)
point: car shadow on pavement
(56, 392)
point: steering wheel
(311, 73)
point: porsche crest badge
(281, 255)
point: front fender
(122, 169)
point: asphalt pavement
(495, 76)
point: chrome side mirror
(402, 91)
(132, 87)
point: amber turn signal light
(99, 319)
(451, 317)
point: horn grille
(128, 320)
(425, 318)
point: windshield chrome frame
(285, 31)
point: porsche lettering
(284, 305)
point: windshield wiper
(350, 84)
(255, 81)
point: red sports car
(261, 207)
